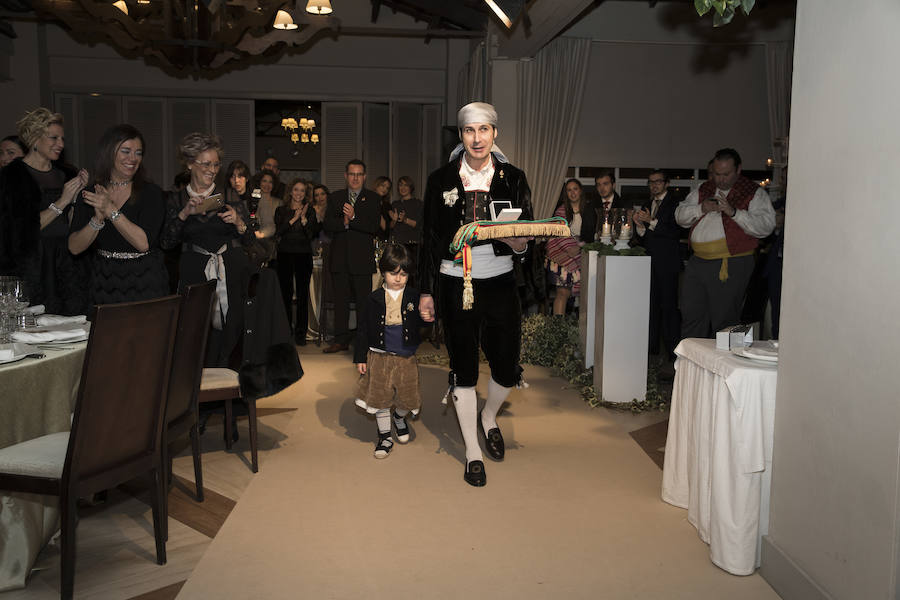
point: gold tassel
(468, 292)
(524, 230)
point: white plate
(20, 351)
(742, 352)
(11, 360)
(64, 342)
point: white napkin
(44, 337)
(51, 320)
(760, 350)
(9, 352)
(37, 309)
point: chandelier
(197, 38)
(306, 127)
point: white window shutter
(406, 125)
(431, 143)
(341, 140)
(65, 105)
(233, 121)
(376, 141)
(186, 115)
(96, 114)
(147, 115)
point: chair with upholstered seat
(117, 425)
(218, 383)
(184, 380)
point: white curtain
(470, 80)
(551, 90)
(779, 69)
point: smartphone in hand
(210, 203)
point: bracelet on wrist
(115, 214)
(95, 225)
(55, 209)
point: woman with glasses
(36, 197)
(120, 219)
(209, 225)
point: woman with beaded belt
(121, 220)
(211, 240)
(36, 196)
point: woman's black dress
(41, 257)
(204, 239)
(125, 276)
(295, 264)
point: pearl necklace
(202, 194)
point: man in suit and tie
(658, 232)
(607, 197)
(352, 220)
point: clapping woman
(36, 196)
(297, 226)
(564, 254)
(210, 235)
(120, 220)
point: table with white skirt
(38, 396)
(718, 460)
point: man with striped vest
(727, 215)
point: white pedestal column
(621, 325)
(587, 306)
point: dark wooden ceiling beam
(548, 19)
(455, 13)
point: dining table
(718, 455)
(37, 397)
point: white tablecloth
(37, 397)
(718, 462)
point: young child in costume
(384, 354)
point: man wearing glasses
(659, 233)
(352, 220)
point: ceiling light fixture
(319, 7)
(198, 38)
(508, 11)
(284, 20)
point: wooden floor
(116, 554)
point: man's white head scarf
(477, 112)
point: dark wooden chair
(222, 384)
(117, 425)
(184, 379)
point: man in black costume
(458, 193)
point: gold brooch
(501, 173)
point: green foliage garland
(608, 250)
(552, 342)
(723, 10)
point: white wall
(666, 89)
(645, 106)
(834, 506)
